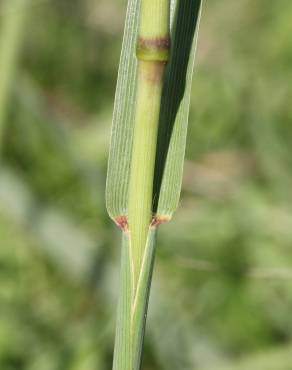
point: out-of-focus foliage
(222, 292)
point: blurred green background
(222, 290)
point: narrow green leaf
(175, 108)
(123, 119)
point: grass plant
(147, 150)
(222, 294)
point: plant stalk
(152, 54)
(132, 309)
(138, 248)
(12, 16)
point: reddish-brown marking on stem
(158, 220)
(122, 223)
(154, 44)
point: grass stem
(12, 16)
(139, 239)
(152, 54)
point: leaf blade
(123, 119)
(175, 108)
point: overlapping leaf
(173, 115)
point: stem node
(153, 49)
